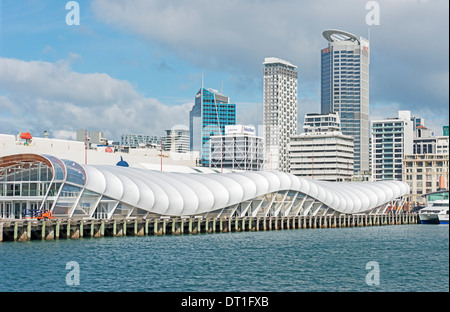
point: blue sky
(135, 66)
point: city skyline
(118, 72)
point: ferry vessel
(435, 213)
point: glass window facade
(345, 90)
(209, 116)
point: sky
(134, 66)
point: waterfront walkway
(25, 230)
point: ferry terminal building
(32, 183)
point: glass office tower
(345, 88)
(209, 116)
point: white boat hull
(443, 219)
(435, 213)
(429, 218)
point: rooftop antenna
(202, 80)
(221, 88)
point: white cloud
(42, 96)
(409, 49)
(64, 135)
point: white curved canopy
(187, 194)
(179, 194)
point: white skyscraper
(392, 139)
(280, 112)
(322, 152)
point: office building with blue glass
(212, 111)
(345, 89)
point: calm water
(410, 258)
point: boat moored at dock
(435, 213)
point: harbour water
(408, 258)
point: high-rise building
(209, 116)
(322, 123)
(345, 88)
(424, 141)
(92, 137)
(425, 173)
(392, 139)
(280, 112)
(238, 149)
(322, 152)
(136, 140)
(177, 140)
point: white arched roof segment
(220, 192)
(285, 181)
(350, 204)
(305, 187)
(95, 179)
(272, 179)
(396, 190)
(379, 191)
(369, 192)
(114, 186)
(174, 190)
(114, 183)
(234, 188)
(332, 199)
(295, 182)
(335, 200)
(178, 194)
(358, 199)
(313, 190)
(385, 191)
(353, 202)
(146, 195)
(404, 187)
(346, 204)
(323, 195)
(161, 203)
(363, 198)
(343, 201)
(248, 186)
(261, 183)
(189, 199)
(204, 195)
(131, 193)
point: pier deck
(26, 230)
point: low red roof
(25, 136)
